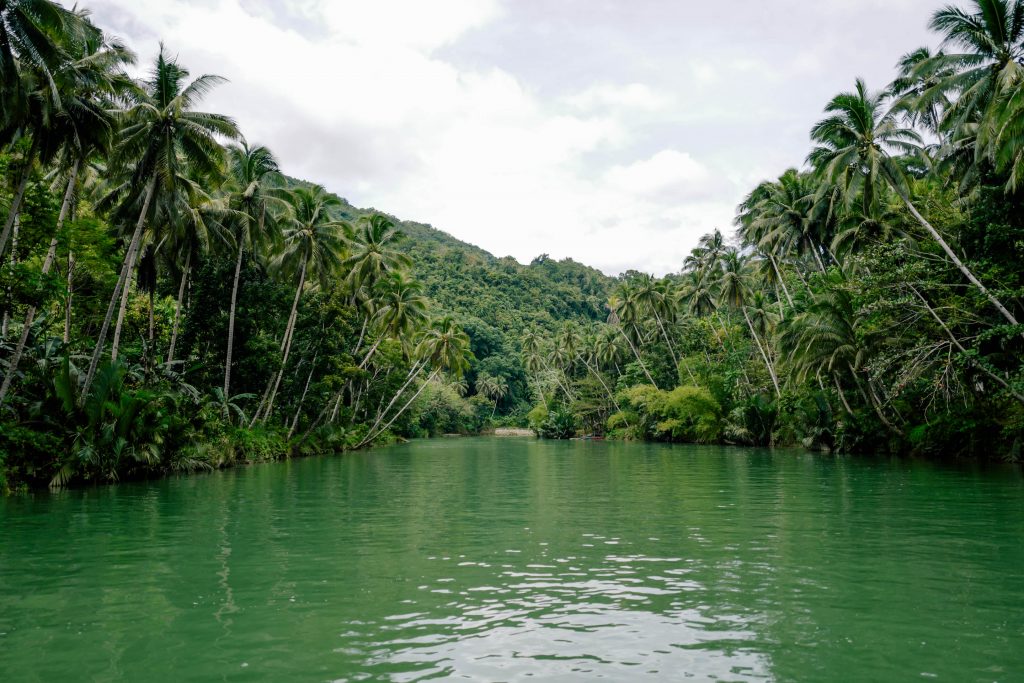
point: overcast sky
(612, 131)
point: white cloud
(667, 171)
(631, 96)
(615, 137)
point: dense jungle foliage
(869, 302)
(171, 301)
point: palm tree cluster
(148, 251)
(870, 300)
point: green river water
(491, 559)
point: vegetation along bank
(172, 301)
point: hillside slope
(469, 282)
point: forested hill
(475, 286)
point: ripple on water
(509, 561)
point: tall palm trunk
(782, 281)
(123, 308)
(305, 390)
(413, 372)
(370, 436)
(151, 334)
(767, 363)
(604, 384)
(231, 313)
(637, 354)
(19, 196)
(952, 254)
(69, 293)
(960, 347)
(373, 349)
(9, 303)
(177, 310)
(842, 396)
(289, 331)
(51, 256)
(126, 266)
(672, 350)
(817, 258)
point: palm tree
(991, 63)
(163, 141)
(445, 347)
(919, 90)
(698, 294)
(734, 290)
(494, 388)
(595, 349)
(400, 308)
(787, 215)
(84, 127)
(373, 252)
(314, 243)
(35, 38)
(656, 297)
(828, 337)
(853, 151)
(196, 218)
(252, 172)
(624, 315)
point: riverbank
(513, 432)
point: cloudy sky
(612, 131)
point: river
(515, 559)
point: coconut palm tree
(854, 152)
(36, 38)
(919, 90)
(734, 290)
(163, 141)
(87, 86)
(373, 254)
(990, 62)
(494, 388)
(445, 348)
(399, 308)
(252, 172)
(828, 338)
(624, 316)
(314, 244)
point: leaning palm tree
(445, 348)
(252, 172)
(624, 316)
(373, 252)
(854, 152)
(83, 128)
(990, 63)
(920, 90)
(36, 38)
(494, 388)
(734, 290)
(400, 308)
(656, 298)
(314, 244)
(163, 141)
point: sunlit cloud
(615, 137)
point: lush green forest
(870, 300)
(173, 301)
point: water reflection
(510, 560)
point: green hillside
(468, 282)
